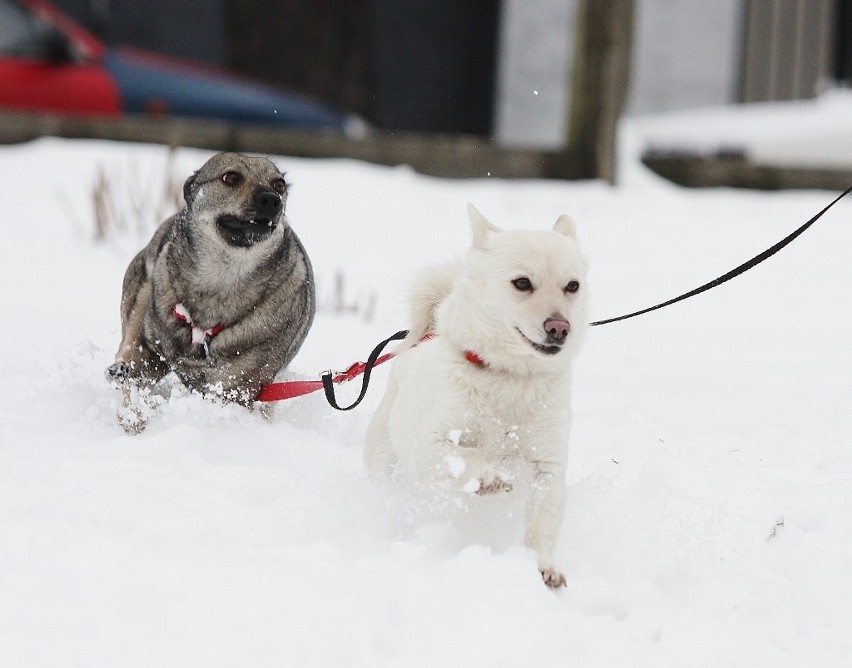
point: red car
(49, 63)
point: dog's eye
(280, 186)
(572, 286)
(231, 178)
(523, 284)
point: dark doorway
(318, 47)
(432, 64)
(416, 65)
(843, 52)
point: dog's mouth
(244, 232)
(549, 349)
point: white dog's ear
(565, 225)
(482, 228)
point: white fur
(447, 422)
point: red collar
(199, 335)
(473, 358)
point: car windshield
(21, 33)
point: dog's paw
(493, 484)
(138, 406)
(553, 578)
(132, 420)
(118, 372)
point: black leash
(744, 267)
(328, 379)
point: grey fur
(230, 258)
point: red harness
(199, 335)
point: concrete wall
(534, 59)
(686, 53)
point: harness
(199, 334)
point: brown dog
(223, 294)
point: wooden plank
(599, 84)
(735, 170)
(787, 47)
(455, 156)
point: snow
(709, 476)
(804, 133)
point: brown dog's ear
(189, 189)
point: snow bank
(805, 133)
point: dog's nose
(557, 329)
(267, 202)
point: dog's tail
(429, 288)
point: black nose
(267, 202)
(556, 329)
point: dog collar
(473, 358)
(469, 355)
(199, 335)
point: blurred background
(525, 78)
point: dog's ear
(482, 229)
(565, 225)
(189, 189)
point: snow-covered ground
(710, 509)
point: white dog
(482, 380)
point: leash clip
(351, 373)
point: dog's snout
(556, 329)
(267, 202)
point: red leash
(296, 388)
(291, 389)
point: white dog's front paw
(552, 577)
